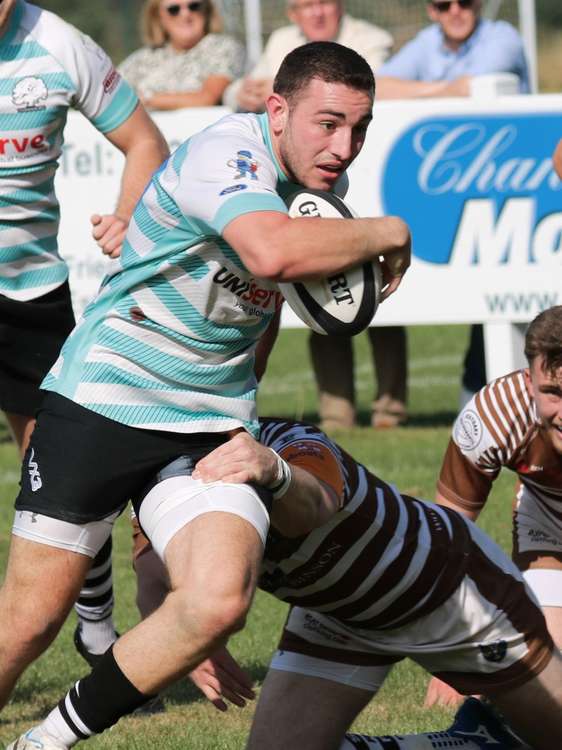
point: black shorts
(31, 336)
(82, 467)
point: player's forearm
(301, 249)
(307, 504)
(142, 160)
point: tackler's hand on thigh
(241, 460)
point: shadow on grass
(184, 691)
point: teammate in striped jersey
(516, 422)
(47, 67)
(162, 365)
(373, 576)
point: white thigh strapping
(368, 678)
(173, 503)
(546, 585)
(86, 539)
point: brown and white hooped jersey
(499, 427)
(382, 560)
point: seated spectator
(311, 21)
(460, 44)
(441, 61)
(332, 357)
(186, 61)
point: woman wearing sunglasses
(186, 62)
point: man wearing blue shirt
(441, 59)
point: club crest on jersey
(468, 430)
(245, 165)
(494, 652)
(29, 93)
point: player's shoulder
(49, 30)
(497, 418)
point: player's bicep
(250, 235)
(319, 460)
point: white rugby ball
(340, 305)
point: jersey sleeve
(474, 455)
(461, 482)
(101, 94)
(225, 175)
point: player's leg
(302, 711)
(40, 586)
(534, 710)
(95, 631)
(211, 537)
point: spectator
(325, 20)
(441, 61)
(311, 21)
(186, 62)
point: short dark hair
(544, 338)
(326, 61)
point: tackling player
(161, 365)
(46, 68)
(373, 576)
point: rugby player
(373, 576)
(516, 422)
(161, 365)
(48, 67)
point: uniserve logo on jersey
(478, 190)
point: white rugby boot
(34, 739)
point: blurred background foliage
(115, 24)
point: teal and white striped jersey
(169, 341)
(46, 66)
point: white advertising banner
(473, 179)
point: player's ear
(278, 112)
(527, 376)
(432, 13)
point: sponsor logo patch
(494, 652)
(232, 189)
(29, 93)
(34, 475)
(111, 80)
(468, 430)
(245, 165)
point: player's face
(546, 388)
(183, 21)
(6, 7)
(457, 20)
(318, 137)
(319, 20)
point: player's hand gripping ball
(340, 305)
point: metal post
(528, 29)
(253, 25)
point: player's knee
(32, 628)
(214, 616)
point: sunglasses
(443, 6)
(174, 10)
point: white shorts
(471, 641)
(174, 502)
(85, 539)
